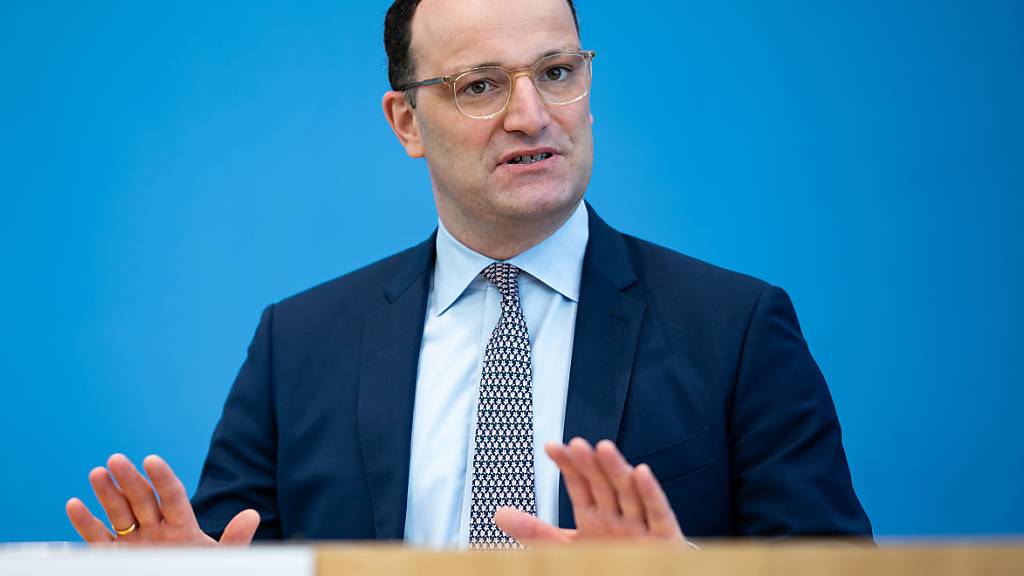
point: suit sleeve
(241, 467)
(790, 474)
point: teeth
(530, 159)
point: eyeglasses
(483, 93)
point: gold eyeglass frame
(453, 79)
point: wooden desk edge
(717, 558)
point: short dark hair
(398, 37)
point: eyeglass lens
(560, 79)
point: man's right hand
(138, 516)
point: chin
(536, 203)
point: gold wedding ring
(127, 530)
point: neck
(503, 239)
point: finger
(621, 475)
(174, 504)
(661, 520)
(584, 458)
(137, 489)
(89, 527)
(575, 485)
(242, 528)
(113, 501)
(528, 529)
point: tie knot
(504, 276)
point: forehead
(451, 35)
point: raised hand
(139, 515)
(610, 500)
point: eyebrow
(457, 69)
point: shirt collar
(557, 261)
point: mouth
(529, 158)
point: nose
(526, 112)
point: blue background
(168, 169)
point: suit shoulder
(689, 295)
(352, 292)
(660, 266)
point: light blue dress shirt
(462, 311)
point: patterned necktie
(503, 458)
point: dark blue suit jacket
(700, 372)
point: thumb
(527, 528)
(241, 529)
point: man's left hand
(610, 500)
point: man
(412, 399)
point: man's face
(468, 157)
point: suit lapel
(608, 324)
(387, 381)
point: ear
(402, 119)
